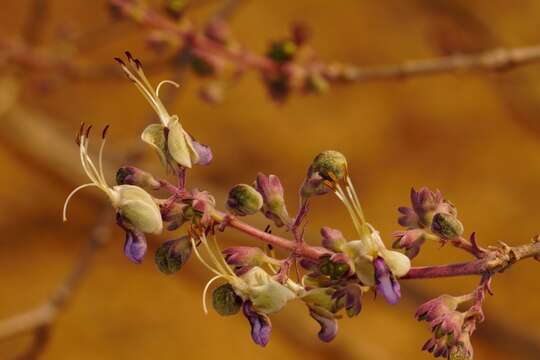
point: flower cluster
(331, 279)
(431, 217)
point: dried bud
(131, 175)
(282, 51)
(332, 239)
(274, 207)
(244, 256)
(411, 240)
(446, 226)
(173, 254)
(436, 308)
(202, 66)
(225, 300)
(463, 350)
(244, 200)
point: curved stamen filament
(216, 245)
(206, 287)
(64, 212)
(202, 260)
(175, 84)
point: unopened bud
(330, 164)
(173, 254)
(225, 300)
(244, 256)
(446, 226)
(244, 200)
(134, 176)
(282, 51)
(332, 239)
(272, 192)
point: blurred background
(475, 136)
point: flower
(172, 143)
(374, 264)
(274, 207)
(136, 210)
(437, 308)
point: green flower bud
(244, 200)
(330, 165)
(282, 51)
(173, 254)
(225, 300)
(446, 226)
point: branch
(495, 261)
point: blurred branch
(40, 320)
(38, 11)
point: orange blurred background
(474, 136)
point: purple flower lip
(329, 326)
(261, 327)
(386, 282)
(135, 246)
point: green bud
(225, 300)
(282, 51)
(446, 226)
(330, 165)
(244, 200)
(173, 254)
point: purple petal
(261, 328)
(329, 327)
(204, 151)
(135, 246)
(385, 281)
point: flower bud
(446, 226)
(134, 176)
(244, 256)
(282, 51)
(272, 192)
(244, 200)
(330, 164)
(411, 240)
(225, 300)
(173, 254)
(332, 239)
(436, 308)
(352, 296)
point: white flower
(370, 245)
(134, 204)
(266, 294)
(168, 137)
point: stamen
(345, 201)
(355, 197)
(202, 260)
(206, 287)
(64, 212)
(216, 245)
(100, 156)
(175, 84)
(217, 264)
